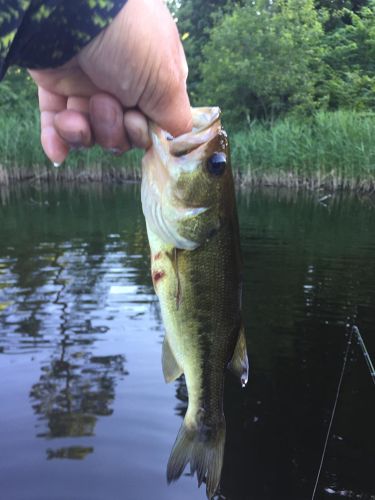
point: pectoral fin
(239, 364)
(171, 368)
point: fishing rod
(354, 331)
(333, 413)
(366, 355)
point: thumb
(171, 111)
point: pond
(85, 413)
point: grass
(335, 150)
(22, 157)
(331, 149)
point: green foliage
(336, 148)
(17, 91)
(350, 62)
(195, 19)
(20, 138)
(334, 10)
(20, 149)
(264, 60)
(279, 64)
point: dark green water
(85, 413)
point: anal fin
(171, 368)
(239, 364)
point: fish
(189, 204)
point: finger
(54, 146)
(107, 121)
(66, 80)
(80, 104)
(136, 127)
(74, 128)
(81, 123)
(166, 101)
(49, 101)
(50, 104)
(149, 72)
(172, 110)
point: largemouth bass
(189, 204)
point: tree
(18, 91)
(195, 19)
(350, 62)
(335, 9)
(264, 59)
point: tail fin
(203, 447)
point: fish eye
(216, 163)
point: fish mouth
(206, 125)
(164, 205)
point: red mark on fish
(157, 276)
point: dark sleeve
(45, 34)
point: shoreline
(329, 150)
(122, 175)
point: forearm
(46, 34)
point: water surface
(85, 413)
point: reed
(335, 150)
(22, 157)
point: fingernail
(74, 139)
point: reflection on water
(80, 346)
(70, 395)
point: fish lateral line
(178, 291)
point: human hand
(133, 70)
